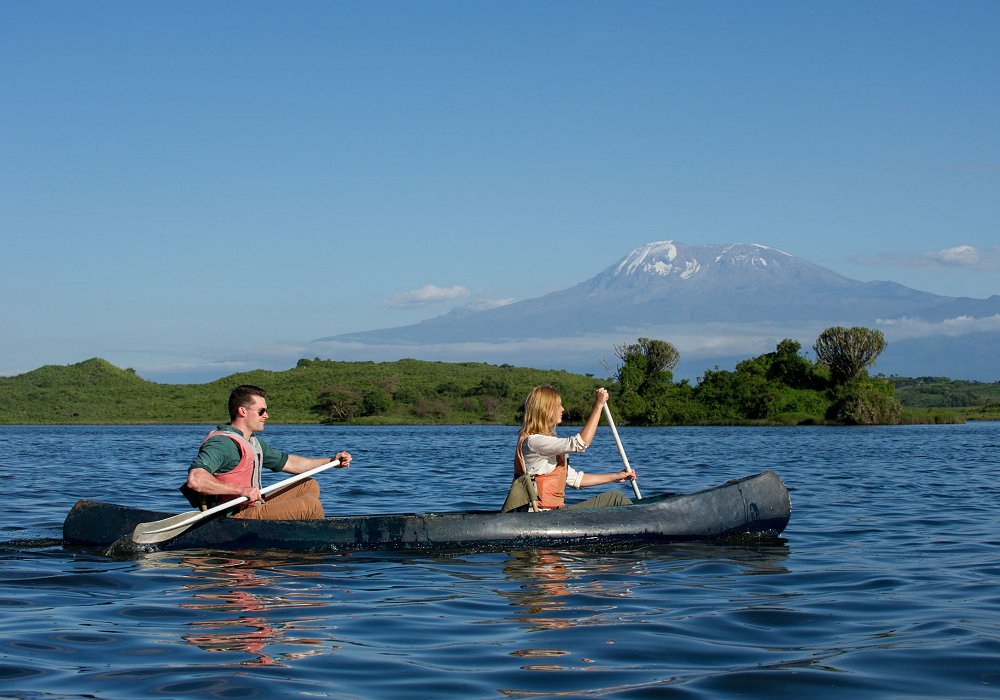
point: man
(230, 459)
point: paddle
(621, 450)
(168, 528)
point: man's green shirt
(220, 454)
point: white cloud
(960, 256)
(487, 304)
(903, 328)
(699, 345)
(428, 294)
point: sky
(191, 189)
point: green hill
(406, 391)
(941, 392)
(421, 392)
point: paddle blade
(168, 528)
(151, 533)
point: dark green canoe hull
(755, 504)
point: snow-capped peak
(752, 254)
(667, 258)
(658, 258)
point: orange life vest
(247, 470)
(551, 487)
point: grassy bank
(398, 393)
(95, 391)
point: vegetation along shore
(782, 387)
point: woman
(541, 456)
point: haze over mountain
(718, 304)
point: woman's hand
(624, 475)
(600, 398)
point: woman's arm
(598, 479)
(590, 427)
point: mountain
(717, 304)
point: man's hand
(252, 494)
(201, 481)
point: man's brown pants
(298, 502)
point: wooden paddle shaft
(621, 449)
(160, 530)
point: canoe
(757, 504)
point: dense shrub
(375, 402)
(866, 402)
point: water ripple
(885, 583)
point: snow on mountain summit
(656, 258)
(667, 258)
(706, 299)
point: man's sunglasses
(260, 411)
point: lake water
(886, 582)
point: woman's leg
(604, 500)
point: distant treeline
(781, 387)
(784, 387)
(941, 392)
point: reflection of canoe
(753, 504)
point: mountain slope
(666, 283)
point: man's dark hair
(240, 396)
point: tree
(645, 377)
(848, 351)
(716, 392)
(790, 368)
(337, 404)
(375, 401)
(866, 402)
(495, 386)
(655, 356)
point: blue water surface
(886, 582)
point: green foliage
(644, 379)
(680, 407)
(375, 401)
(787, 366)
(95, 391)
(865, 402)
(327, 391)
(925, 416)
(497, 386)
(779, 387)
(848, 352)
(779, 383)
(338, 404)
(941, 392)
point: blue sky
(195, 188)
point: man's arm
(202, 481)
(297, 464)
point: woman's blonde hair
(538, 409)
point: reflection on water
(251, 598)
(563, 590)
(549, 577)
(887, 587)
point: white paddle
(621, 450)
(168, 528)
